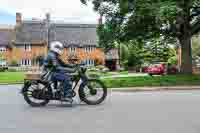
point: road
(142, 112)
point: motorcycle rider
(62, 70)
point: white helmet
(56, 47)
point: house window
(89, 49)
(89, 62)
(25, 62)
(72, 49)
(27, 47)
(2, 49)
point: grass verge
(169, 80)
(11, 77)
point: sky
(71, 11)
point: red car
(156, 69)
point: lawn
(104, 74)
(169, 80)
(11, 77)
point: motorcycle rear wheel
(28, 94)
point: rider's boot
(67, 97)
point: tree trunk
(186, 55)
(184, 35)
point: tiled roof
(74, 34)
(69, 34)
(33, 32)
(5, 37)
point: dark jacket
(53, 61)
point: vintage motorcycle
(38, 92)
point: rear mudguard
(27, 83)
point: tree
(195, 47)
(145, 19)
(159, 50)
(132, 54)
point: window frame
(27, 47)
(72, 49)
(89, 49)
(26, 62)
(89, 62)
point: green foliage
(135, 54)
(173, 60)
(159, 50)
(168, 80)
(12, 77)
(124, 53)
(106, 38)
(196, 47)
(1, 56)
(146, 19)
(14, 63)
(131, 54)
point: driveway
(142, 112)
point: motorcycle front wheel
(93, 92)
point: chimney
(18, 18)
(48, 17)
(100, 20)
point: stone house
(5, 44)
(29, 39)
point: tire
(28, 99)
(83, 96)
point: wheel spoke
(95, 86)
(31, 90)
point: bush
(173, 60)
(93, 75)
(14, 63)
(2, 69)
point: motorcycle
(38, 92)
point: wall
(19, 53)
(97, 54)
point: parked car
(156, 69)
